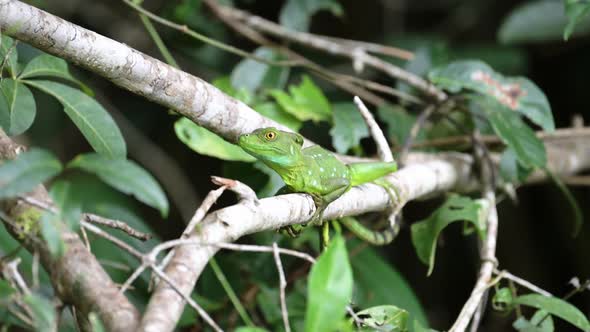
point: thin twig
(382, 147)
(117, 224)
(373, 47)
(527, 284)
(282, 286)
(420, 121)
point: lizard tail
(377, 238)
(367, 172)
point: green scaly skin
(317, 172)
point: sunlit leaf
(425, 232)
(296, 14)
(95, 123)
(329, 289)
(541, 21)
(557, 307)
(576, 11)
(305, 101)
(17, 107)
(515, 93)
(349, 127)
(43, 312)
(28, 170)
(125, 176)
(207, 143)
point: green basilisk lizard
(317, 172)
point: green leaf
(305, 102)
(510, 169)
(349, 127)
(207, 143)
(125, 176)
(515, 93)
(250, 329)
(6, 290)
(251, 74)
(11, 63)
(17, 107)
(49, 231)
(95, 123)
(329, 289)
(95, 322)
(399, 123)
(529, 150)
(274, 112)
(296, 14)
(224, 84)
(556, 307)
(425, 232)
(378, 282)
(576, 10)
(524, 325)
(43, 312)
(49, 65)
(385, 317)
(67, 201)
(28, 170)
(540, 21)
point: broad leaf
(425, 232)
(67, 201)
(510, 169)
(541, 21)
(556, 307)
(399, 123)
(49, 231)
(6, 291)
(515, 93)
(95, 123)
(576, 10)
(529, 150)
(349, 127)
(125, 176)
(207, 143)
(17, 107)
(305, 101)
(8, 62)
(251, 74)
(296, 14)
(28, 170)
(48, 65)
(329, 289)
(385, 317)
(43, 312)
(524, 325)
(378, 282)
(274, 112)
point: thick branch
(77, 277)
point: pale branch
(356, 54)
(383, 149)
(524, 283)
(282, 286)
(77, 277)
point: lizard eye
(270, 136)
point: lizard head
(276, 148)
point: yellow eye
(270, 136)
